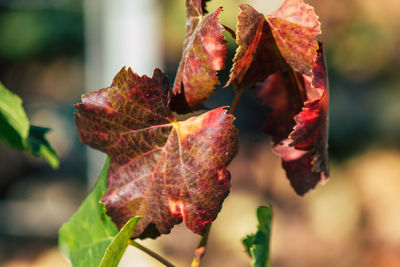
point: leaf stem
(235, 102)
(298, 82)
(231, 32)
(201, 248)
(151, 253)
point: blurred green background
(354, 220)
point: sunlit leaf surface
(204, 53)
(276, 42)
(161, 169)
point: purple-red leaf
(281, 93)
(256, 56)
(301, 142)
(295, 26)
(195, 8)
(280, 41)
(204, 53)
(160, 169)
(311, 130)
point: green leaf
(248, 242)
(16, 131)
(258, 245)
(85, 238)
(118, 246)
(40, 147)
(13, 120)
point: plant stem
(298, 82)
(231, 32)
(201, 248)
(235, 102)
(152, 254)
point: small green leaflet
(118, 246)
(16, 131)
(258, 245)
(39, 146)
(13, 119)
(90, 238)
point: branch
(201, 248)
(231, 32)
(236, 100)
(151, 253)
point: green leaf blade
(17, 132)
(9, 136)
(248, 242)
(38, 146)
(258, 245)
(85, 238)
(118, 246)
(13, 120)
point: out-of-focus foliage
(364, 63)
(17, 132)
(32, 33)
(258, 245)
(363, 36)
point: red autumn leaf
(311, 130)
(280, 93)
(160, 169)
(204, 53)
(195, 8)
(304, 149)
(255, 57)
(277, 42)
(295, 26)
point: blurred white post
(119, 33)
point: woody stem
(236, 101)
(151, 253)
(201, 248)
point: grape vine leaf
(90, 238)
(16, 131)
(162, 170)
(258, 245)
(280, 93)
(302, 143)
(295, 26)
(279, 41)
(204, 53)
